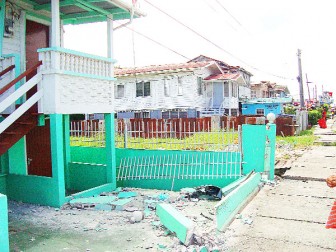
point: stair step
(24, 123)
(11, 133)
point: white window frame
(117, 93)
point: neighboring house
(162, 91)
(244, 87)
(264, 106)
(266, 89)
(202, 86)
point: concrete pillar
(57, 156)
(67, 157)
(4, 236)
(110, 150)
(258, 143)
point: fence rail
(170, 134)
(202, 165)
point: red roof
(159, 68)
(225, 76)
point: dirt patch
(74, 228)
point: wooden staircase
(17, 130)
(22, 120)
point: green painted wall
(33, 189)
(86, 176)
(3, 183)
(17, 158)
(96, 156)
(4, 240)
(91, 155)
(229, 206)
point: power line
(214, 44)
(157, 42)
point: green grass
(305, 139)
(198, 141)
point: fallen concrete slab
(176, 222)
(228, 207)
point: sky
(261, 36)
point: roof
(225, 76)
(181, 67)
(221, 63)
(83, 11)
(269, 100)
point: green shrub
(290, 110)
(314, 116)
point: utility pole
(308, 87)
(302, 105)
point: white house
(197, 88)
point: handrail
(20, 77)
(8, 69)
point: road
(291, 215)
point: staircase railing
(17, 94)
(8, 69)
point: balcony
(75, 82)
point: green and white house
(41, 84)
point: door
(37, 140)
(218, 92)
(37, 36)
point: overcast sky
(261, 35)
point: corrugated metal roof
(225, 76)
(160, 68)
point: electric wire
(214, 44)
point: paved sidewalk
(291, 215)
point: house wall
(251, 109)
(189, 97)
(244, 92)
(14, 43)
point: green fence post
(4, 240)
(67, 155)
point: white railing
(25, 106)
(71, 62)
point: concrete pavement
(291, 215)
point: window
(226, 89)
(253, 94)
(208, 90)
(166, 88)
(260, 112)
(143, 89)
(120, 93)
(144, 114)
(179, 87)
(199, 85)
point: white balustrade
(66, 61)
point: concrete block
(121, 204)
(125, 195)
(173, 220)
(94, 200)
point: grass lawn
(305, 139)
(197, 141)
